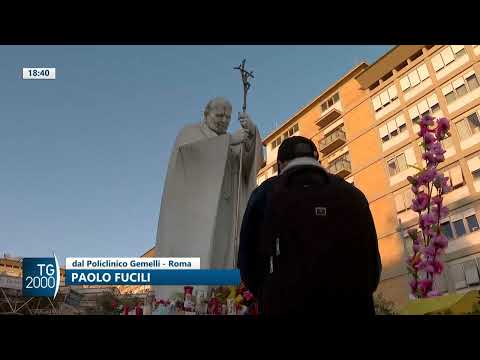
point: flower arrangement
(428, 243)
(223, 300)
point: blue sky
(83, 157)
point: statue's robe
(198, 207)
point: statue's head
(218, 113)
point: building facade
(364, 127)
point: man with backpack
(308, 243)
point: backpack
(311, 241)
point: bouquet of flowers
(429, 186)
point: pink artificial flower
(428, 138)
(425, 285)
(439, 212)
(437, 267)
(437, 149)
(430, 157)
(441, 182)
(426, 121)
(429, 268)
(443, 125)
(433, 293)
(247, 295)
(440, 241)
(426, 220)
(416, 247)
(446, 188)
(429, 250)
(437, 200)
(420, 202)
(412, 180)
(413, 261)
(415, 189)
(427, 175)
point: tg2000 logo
(41, 277)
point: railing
(342, 166)
(327, 142)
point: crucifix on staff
(243, 122)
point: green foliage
(383, 306)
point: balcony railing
(332, 141)
(340, 167)
(328, 117)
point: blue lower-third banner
(152, 277)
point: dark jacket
(252, 272)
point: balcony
(328, 117)
(340, 167)
(332, 141)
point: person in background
(308, 243)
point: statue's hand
(240, 136)
(247, 123)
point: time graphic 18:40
(39, 73)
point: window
(385, 98)
(460, 225)
(392, 128)
(446, 229)
(473, 122)
(403, 200)
(459, 228)
(447, 56)
(450, 97)
(476, 174)
(447, 142)
(461, 90)
(414, 78)
(401, 66)
(397, 164)
(472, 223)
(468, 126)
(387, 76)
(472, 82)
(276, 142)
(285, 135)
(465, 274)
(458, 276)
(471, 272)
(455, 176)
(429, 105)
(329, 102)
(374, 85)
(460, 87)
(416, 55)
